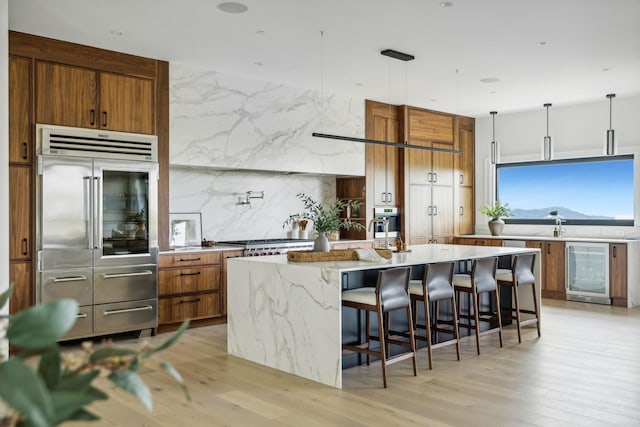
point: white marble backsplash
(216, 195)
(225, 121)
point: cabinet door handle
(429, 177)
(435, 210)
(430, 210)
(390, 197)
(80, 278)
(118, 275)
(92, 117)
(128, 310)
(189, 259)
(461, 179)
(25, 247)
(81, 316)
(190, 274)
(25, 151)
(384, 197)
(614, 251)
(461, 210)
(104, 118)
(548, 248)
(435, 177)
(184, 301)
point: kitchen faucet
(558, 231)
(385, 225)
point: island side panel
(286, 317)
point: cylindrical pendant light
(547, 149)
(494, 148)
(611, 146)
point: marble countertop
(227, 247)
(561, 239)
(419, 254)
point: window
(590, 191)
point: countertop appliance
(587, 272)
(96, 227)
(393, 222)
(260, 247)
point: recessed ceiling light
(605, 69)
(492, 91)
(358, 84)
(260, 32)
(432, 100)
(233, 7)
(116, 33)
(542, 43)
(490, 80)
(258, 63)
(446, 4)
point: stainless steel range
(263, 247)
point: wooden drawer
(183, 280)
(191, 258)
(179, 309)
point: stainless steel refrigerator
(96, 228)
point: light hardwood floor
(583, 371)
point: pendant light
(547, 148)
(494, 148)
(611, 147)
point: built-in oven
(393, 222)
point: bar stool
(435, 286)
(521, 274)
(481, 280)
(390, 294)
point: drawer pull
(25, 247)
(128, 310)
(81, 316)
(139, 273)
(69, 279)
(189, 259)
(182, 301)
(25, 151)
(190, 274)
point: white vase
(495, 226)
(321, 242)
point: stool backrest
(392, 288)
(438, 280)
(523, 269)
(483, 274)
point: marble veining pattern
(224, 121)
(293, 313)
(216, 195)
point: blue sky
(593, 188)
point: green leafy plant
(497, 210)
(59, 387)
(325, 218)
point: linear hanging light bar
(494, 148)
(547, 149)
(388, 144)
(611, 147)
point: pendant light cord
(322, 80)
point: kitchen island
(288, 315)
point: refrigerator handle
(88, 211)
(97, 214)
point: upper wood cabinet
(20, 146)
(80, 97)
(465, 175)
(430, 126)
(20, 241)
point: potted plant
(496, 212)
(326, 219)
(58, 387)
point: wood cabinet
(465, 219)
(477, 241)
(20, 240)
(353, 188)
(189, 286)
(225, 256)
(429, 126)
(20, 145)
(618, 274)
(21, 276)
(552, 267)
(101, 100)
(383, 123)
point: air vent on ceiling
(66, 141)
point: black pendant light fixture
(547, 149)
(611, 147)
(494, 148)
(402, 57)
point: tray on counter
(334, 255)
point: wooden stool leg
(387, 328)
(456, 331)
(436, 309)
(427, 322)
(497, 293)
(412, 342)
(383, 354)
(535, 308)
(516, 300)
(476, 317)
(368, 329)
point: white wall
(576, 131)
(4, 156)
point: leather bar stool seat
(521, 274)
(481, 280)
(390, 294)
(435, 286)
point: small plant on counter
(59, 387)
(326, 219)
(497, 210)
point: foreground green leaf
(30, 398)
(67, 403)
(105, 353)
(40, 326)
(132, 383)
(4, 297)
(49, 367)
(169, 342)
(80, 382)
(83, 415)
(176, 376)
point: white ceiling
(593, 46)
